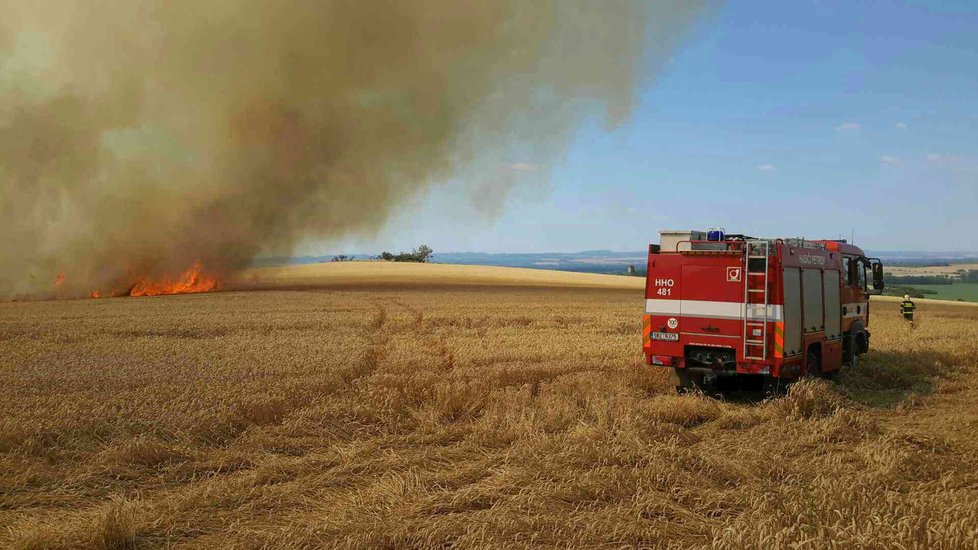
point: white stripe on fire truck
(706, 308)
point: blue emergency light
(715, 235)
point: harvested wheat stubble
(467, 416)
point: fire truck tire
(850, 354)
(848, 348)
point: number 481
(664, 292)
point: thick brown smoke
(140, 137)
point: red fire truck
(721, 305)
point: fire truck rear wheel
(852, 358)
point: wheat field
(408, 410)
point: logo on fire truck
(734, 274)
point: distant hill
(606, 261)
(588, 261)
(924, 259)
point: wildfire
(192, 280)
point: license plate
(666, 336)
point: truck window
(861, 273)
(847, 274)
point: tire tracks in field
(225, 468)
(376, 351)
(429, 336)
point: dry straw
(473, 417)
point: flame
(194, 279)
(59, 280)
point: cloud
(962, 169)
(900, 125)
(887, 159)
(955, 162)
(848, 127)
(765, 168)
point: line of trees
(900, 290)
(918, 279)
(970, 276)
(421, 254)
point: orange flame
(192, 280)
(59, 280)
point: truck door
(812, 302)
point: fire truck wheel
(812, 366)
(849, 350)
(850, 356)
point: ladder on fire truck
(756, 296)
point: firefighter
(907, 308)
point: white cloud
(887, 159)
(961, 169)
(900, 125)
(848, 127)
(765, 168)
(954, 162)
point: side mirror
(878, 284)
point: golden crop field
(929, 271)
(412, 410)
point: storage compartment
(792, 311)
(833, 306)
(678, 240)
(811, 293)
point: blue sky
(773, 119)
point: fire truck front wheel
(855, 345)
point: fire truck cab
(725, 305)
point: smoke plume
(140, 137)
